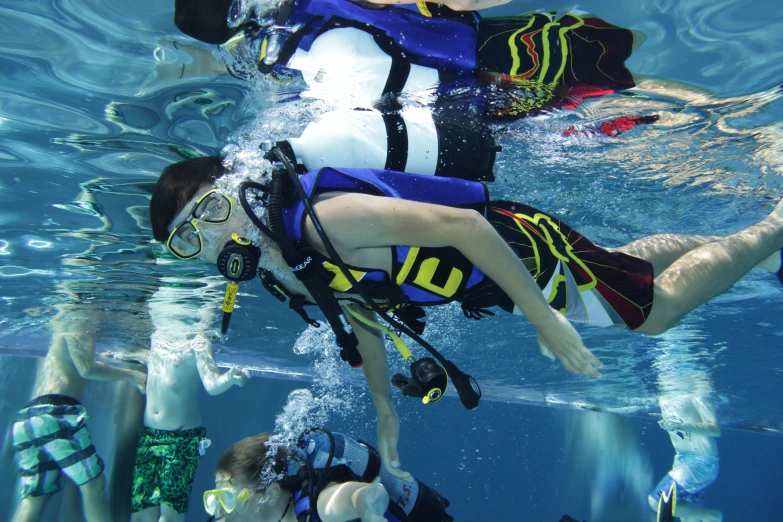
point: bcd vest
(349, 460)
(425, 276)
(433, 37)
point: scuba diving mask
(224, 501)
(265, 33)
(186, 240)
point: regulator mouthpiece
(238, 261)
(428, 381)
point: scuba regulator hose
(467, 388)
(299, 263)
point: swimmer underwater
(325, 477)
(502, 67)
(418, 241)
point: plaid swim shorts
(51, 440)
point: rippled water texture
(88, 122)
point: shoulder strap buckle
(272, 285)
(297, 304)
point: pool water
(88, 122)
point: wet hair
(204, 20)
(251, 458)
(177, 185)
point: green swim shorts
(51, 440)
(166, 463)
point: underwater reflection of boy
(342, 49)
(329, 476)
(50, 433)
(466, 249)
(172, 440)
(693, 427)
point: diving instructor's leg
(710, 269)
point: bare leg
(147, 515)
(130, 407)
(96, 507)
(663, 249)
(31, 509)
(710, 269)
(167, 514)
(688, 511)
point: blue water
(88, 123)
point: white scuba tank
(409, 141)
(346, 64)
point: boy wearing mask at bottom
(326, 477)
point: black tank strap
(373, 463)
(396, 142)
(303, 265)
(297, 304)
(398, 75)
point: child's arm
(352, 500)
(709, 420)
(708, 426)
(389, 221)
(214, 382)
(697, 428)
(81, 348)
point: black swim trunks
(536, 61)
(585, 282)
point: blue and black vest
(336, 458)
(425, 276)
(429, 36)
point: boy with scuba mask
(326, 477)
(503, 68)
(436, 240)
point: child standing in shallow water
(173, 439)
(49, 434)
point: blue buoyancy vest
(426, 276)
(443, 43)
(356, 461)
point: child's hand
(238, 376)
(371, 502)
(137, 357)
(139, 380)
(562, 340)
(669, 425)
